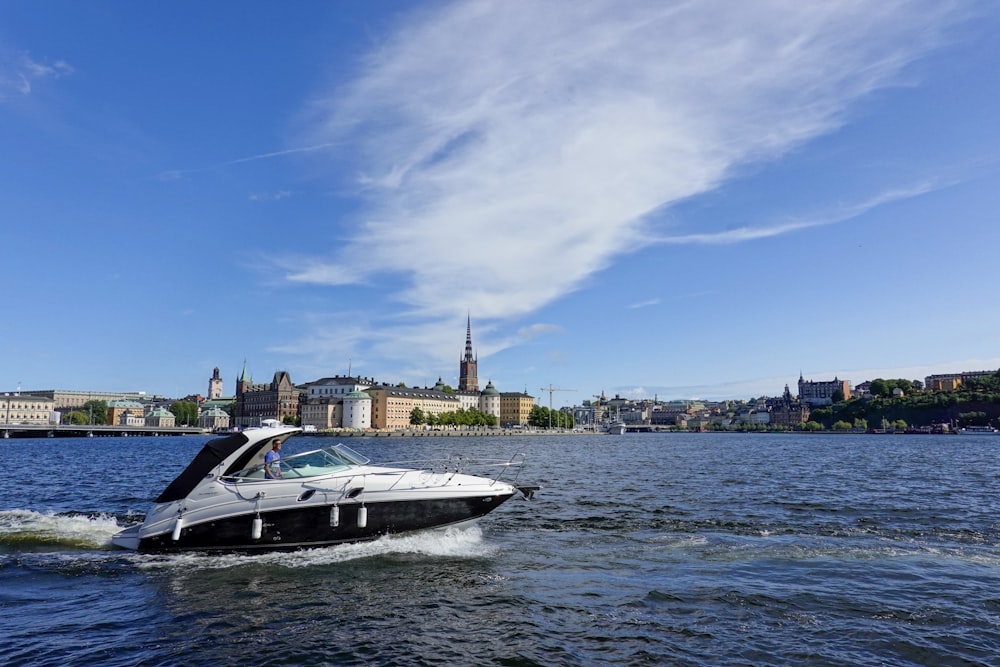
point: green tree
(96, 411)
(185, 412)
(75, 417)
(841, 426)
(417, 416)
(880, 387)
(538, 417)
(987, 383)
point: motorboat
(228, 499)
(978, 430)
(616, 428)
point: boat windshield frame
(314, 463)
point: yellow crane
(551, 390)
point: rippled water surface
(693, 549)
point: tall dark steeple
(215, 385)
(468, 366)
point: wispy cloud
(270, 196)
(535, 330)
(20, 71)
(840, 214)
(644, 304)
(541, 137)
(176, 174)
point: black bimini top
(212, 454)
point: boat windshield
(308, 464)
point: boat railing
(494, 469)
(319, 463)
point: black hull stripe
(305, 527)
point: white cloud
(527, 144)
(742, 234)
(270, 196)
(19, 72)
(535, 330)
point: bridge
(92, 431)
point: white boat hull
(234, 508)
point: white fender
(258, 526)
(334, 516)
(362, 517)
(178, 526)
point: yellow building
(392, 406)
(515, 408)
(126, 413)
(26, 409)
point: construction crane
(551, 390)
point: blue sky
(687, 200)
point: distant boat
(977, 430)
(617, 427)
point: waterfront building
(278, 399)
(65, 400)
(27, 409)
(213, 419)
(489, 401)
(126, 413)
(468, 366)
(323, 413)
(392, 406)
(324, 401)
(357, 410)
(515, 408)
(668, 417)
(952, 381)
(161, 417)
(822, 393)
(786, 411)
(215, 385)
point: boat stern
(127, 539)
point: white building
(357, 410)
(27, 409)
(324, 407)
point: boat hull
(315, 526)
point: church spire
(468, 379)
(468, 338)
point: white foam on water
(466, 542)
(35, 528)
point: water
(643, 549)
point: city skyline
(695, 201)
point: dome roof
(357, 395)
(490, 390)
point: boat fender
(334, 516)
(258, 527)
(362, 517)
(178, 526)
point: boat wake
(465, 542)
(26, 530)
